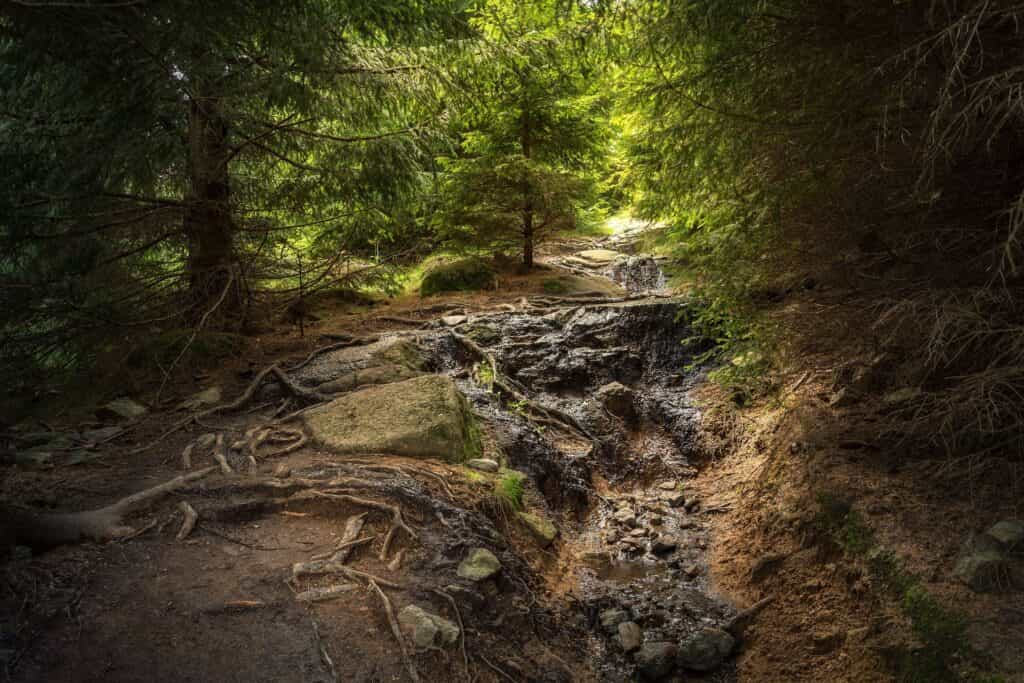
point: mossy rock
(541, 528)
(465, 275)
(423, 417)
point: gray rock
(618, 400)
(630, 636)
(542, 530)
(611, 618)
(483, 464)
(706, 649)
(453, 320)
(425, 417)
(479, 565)
(984, 571)
(427, 629)
(655, 660)
(1009, 533)
(121, 409)
(668, 485)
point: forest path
(600, 431)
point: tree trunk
(208, 222)
(526, 144)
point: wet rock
(692, 504)
(706, 649)
(638, 533)
(479, 565)
(638, 274)
(664, 545)
(483, 464)
(121, 409)
(630, 636)
(618, 399)
(425, 417)
(655, 661)
(611, 618)
(1008, 533)
(674, 499)
(542, 530)
(656, 520)
(204, 399)
(426, 629)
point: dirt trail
(582, 397)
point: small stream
(634, 538)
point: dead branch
(396, 631)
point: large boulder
(344, 366)
(423, 417)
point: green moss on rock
(423, 417)
(460, 276)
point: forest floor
(221, 604)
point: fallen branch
(325, 657)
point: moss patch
(465, 275)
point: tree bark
(526, 144)
(208, 220)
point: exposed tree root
(325, 593)
(325, 656)
(189, 522)
(739, 623)
(410, 667)
(462, 628)
(343, 344)
(504, 385)
(46, 530)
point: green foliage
(554, 286)
(509, 489)
(464, 275)
(941, 632)
(529, 129)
